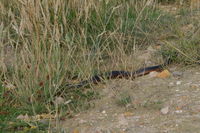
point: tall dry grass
(44, 43)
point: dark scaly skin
(116, 74)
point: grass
(44, 44)
(124, 100)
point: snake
(117, 74)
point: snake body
(116, 74)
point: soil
(144, 105)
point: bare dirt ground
(144, 105)
(154, 105)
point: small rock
(103, 112)
(164, 110)
(23, 117)
(178, 82)
(197, 73)
(59, 100)
(178, 111)
(171, 84)
(20, 117)
(177, 74)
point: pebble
(178, 82)
(177, 74)
(197, 73)
(103, 111)
(178, 111)
(59, 100)
(171, 84)
(164, 110)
